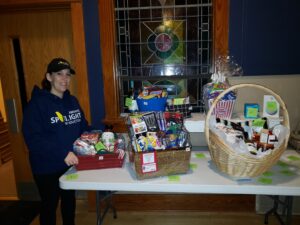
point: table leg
(287, 206)
(106, 198)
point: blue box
(251, 110)
(153, 104)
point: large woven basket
(234, 163)
(295, 138)
(169, 162)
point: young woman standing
(52, 121)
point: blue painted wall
(92, 39)
(264, 36)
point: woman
(52, 121)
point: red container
(101, 161)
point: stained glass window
(166, 43)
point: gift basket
(224, 107)
(295, 138)
(161, 144)
(181, 105)
(99, 150)
(225, 67)
(260, 146)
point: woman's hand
(71, 159)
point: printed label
(147, 168)
(149, 162)
(148, 158)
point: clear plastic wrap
(225, 67)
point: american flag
(223, 109)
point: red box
(101, 161)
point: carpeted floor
(18, 212)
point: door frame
(78, 38)
(80, 64)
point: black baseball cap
(58, 64)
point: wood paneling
(8, 6)
(108, 50)
(5, 148)
(221, 27)
(80, 58)
(35, 2)
(174, 218)
(181, 202)
(8, 189)
(43, 35)
(37, 48)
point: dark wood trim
(180, 202)
(35, 2)
(108, 50)
(33, 6)
(80, 58)
(221, 27)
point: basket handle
(234, 87)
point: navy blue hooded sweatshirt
(50, 127)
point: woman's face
(60, 81)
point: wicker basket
(168, 162)
(295, 138)
(241, 165)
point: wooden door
(28, 41)
(8, 188)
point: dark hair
(46, 85)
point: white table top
(203, 178)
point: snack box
(99, 161)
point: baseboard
(179, 202)
(8, 198)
